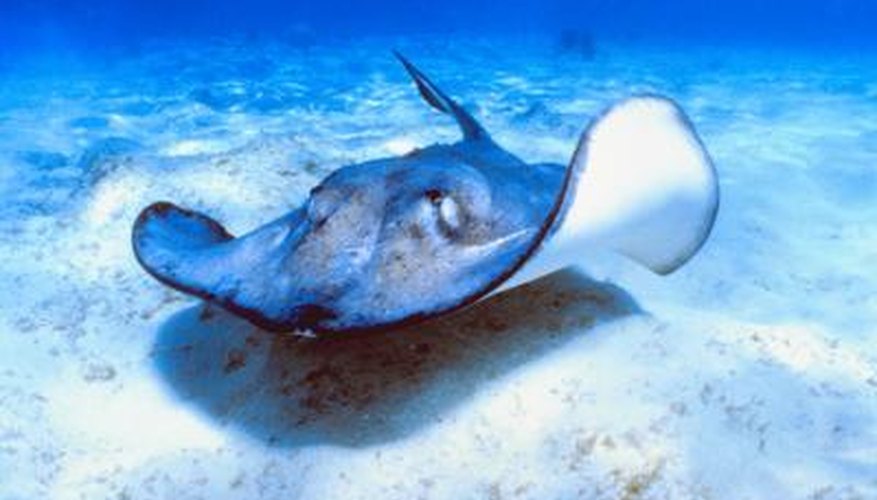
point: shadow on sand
(370, 389)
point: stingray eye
(434, 196)
(446, 209)
(449, 213)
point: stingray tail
(643, 185)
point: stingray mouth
(305, 318)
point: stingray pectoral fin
(193, 253)
(176, 245)
(645, 186)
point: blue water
(749, 373)
(104, 23)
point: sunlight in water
(400, 146)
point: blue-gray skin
(376, 245)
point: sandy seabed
(750, 373)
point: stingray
(395, 241)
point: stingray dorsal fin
(472, 130)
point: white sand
(750, 373)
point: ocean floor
(749, 373)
